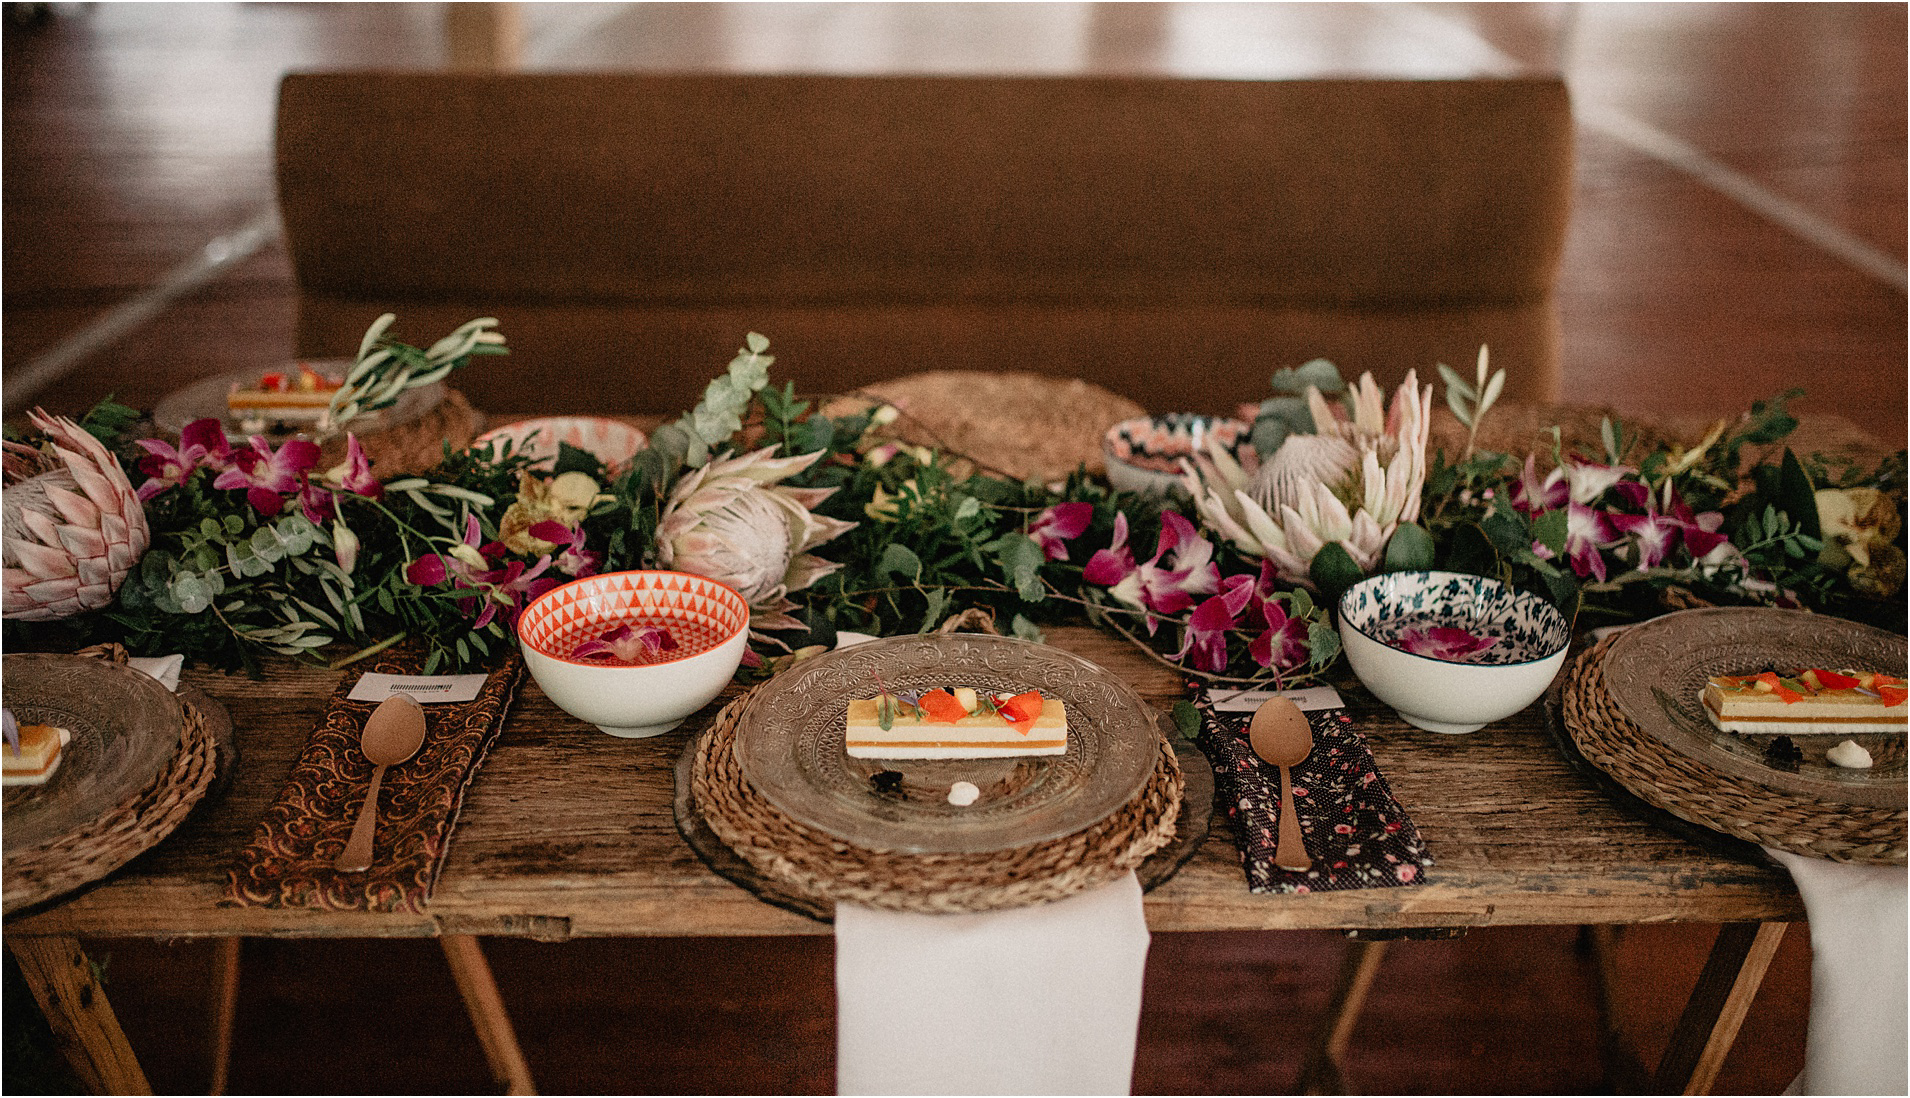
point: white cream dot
(963, 794)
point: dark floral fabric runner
(289, 861)
(1357, 834)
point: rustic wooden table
(569, 833)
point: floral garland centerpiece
(232, 549)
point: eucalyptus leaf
(1021, 559)
(1186, 719)
(1027, 630)
(1410, 549)
(898, 560)
(1334, 570)
(1550, 529)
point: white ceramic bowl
(612, 441)
(1445, 692)
(1144, 454)
(708, 620)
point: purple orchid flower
(1654, 534)
(1154, 587)
(267, 475)
(507, 589)
(354, 473)
(1206, 634)
(1284, 645)
(572, 558)
(627, 644)
(202, 444)
(1586, 481)
(463, 562)
(1053, 528)
(1444, 642)
(1532, 495)
(1587, 532)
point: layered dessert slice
(297, 398)
(959, 723)
(1812, 701)
(35, 757)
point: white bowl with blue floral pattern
(1451, 652)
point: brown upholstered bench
(1173, 240)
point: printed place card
(424, 689)
(1308, 698)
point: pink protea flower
(1053, 528)
(1352, 483)
(202, 444)
(73, 525)
(268, 475)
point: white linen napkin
(164, 668)
(1856, 1043)
(1033, 1000)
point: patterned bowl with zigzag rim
(707, 621)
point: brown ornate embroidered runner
(289, 861)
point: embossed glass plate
(1656, 672)
(126, 729)
(789, 746)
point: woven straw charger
(139, 760)
(771, 781)
(1630, 706)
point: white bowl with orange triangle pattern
(634, 653)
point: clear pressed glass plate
(789, 745)
(126, 728)
(1656, 672)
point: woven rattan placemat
(810, 871)
(1692, 791)
(84, 855)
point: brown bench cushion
(1173, 240)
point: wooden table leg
(62, 979)
(486, 1007)
(1717, 1006)
(225, 1010)
(1320, 1070)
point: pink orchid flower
(573, 559)
(1587, 481)
(507, 589)
(1532, 495)
(267, 475)
(1053, 528)
(1444, 642)
(627, 644)
(1284, 645)
(1700, 530)
(1206, 635)
(354, 473)
(201, 445)
(1655, 535)
(1587, 532)
(1154, 587)
(463, 562)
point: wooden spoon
(393, 733)
(1281, 735)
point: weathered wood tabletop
(567, 832)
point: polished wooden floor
(1739, 228)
